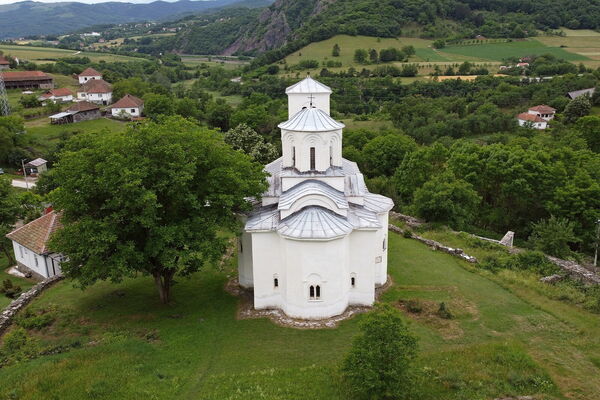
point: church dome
(311, 119)
(308, 85)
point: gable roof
(37, 162)
(11, 76)
(57, 93)
(308, 85)
(543, 109)
(35, 235)
(530, 117)
(128, 101)
(83, 106)
(96, 86)
(576, 93)
(90, 72)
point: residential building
(532, 121)
(61, 95)
(80, 111)
(95, 91)
(27, 80)
(88, 74)
(128, 106)
(543, 111)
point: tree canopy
(155, 199)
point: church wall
(362, 267)
(323, 263)
(336, 182)
(382, 235)
(246, 278)
(296, 101)
(268, 260)
(328, 149)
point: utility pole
(25, 173)
(4, 106)
(597, 242)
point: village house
(95, 91)
(316, 242)
(27, 80)
(88, 74)
(543, 111)
(81, 111)
(128, 107)
(61, 95)
(4, 63)
(532, 121)
(30, 246)
(36, 167)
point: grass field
(583, 42)
(47, 54)
(503, 341)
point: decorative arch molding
(314, 199)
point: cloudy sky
(82, 1)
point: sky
(82, 1)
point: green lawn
(503, 341)
(500, 51)
(22, 282)
(47, 54)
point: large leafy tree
(553, 236)
(244, 138)
(9, 213)
(151, 200)
(379, 365)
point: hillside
(33, 18)
(297, 23)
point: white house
(532, 121)
(543, 111)
(30, 247)
(88, 74)
(95, 91)
(128, 107)
(317, 241)
(61, 95)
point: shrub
(9, 289)
(407, 233)
(379, 365)
(553, 236)
(443, 311)
(414, 306)
(35, 319)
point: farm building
(543, 111)
(88, 74)
(583, 92)
(95, 91)
(37, 166)
(128, 107)
(81, 111)
(4, 63)
(532, 120)
(30, 245)
(27, 80)
(61, 95)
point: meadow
(504, 340)
(50, 54)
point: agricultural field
(583, 42)
(49, 54)
(504, 340)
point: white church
(317, 243)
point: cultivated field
(50, 54)
(505, 340)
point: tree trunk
(9, 257)
(163, 280)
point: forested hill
(298, 22)
(29, 18)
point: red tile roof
(96, 86)
(35, 235)
(530, 117)
(543, 109)
(128, 101)
(3, 61)
(11, 76)
(90, 72)
(83, 106)
(58, 93)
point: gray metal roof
(576, 93)
(263, 219)
(308, 187)
(378, 203)
(308, 85)
(314, 223)
(311, 120)
(361, 218)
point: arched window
(318, 294)
(276, 282)
(353, 281)
(384, 242)
(311, 292)
(312, 159)
(294, 156)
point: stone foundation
(28, 272)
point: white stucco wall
(297, 101)
(132, 112)
(535, 125)
(98, 98)
(296, 149)
(41, 264)
(84, 79)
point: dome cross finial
(311, 98)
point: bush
(379, 365)
(36, 319)
(9, 289)
(532, 261)
(553, 236)
(443, 311)
(414, 306)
